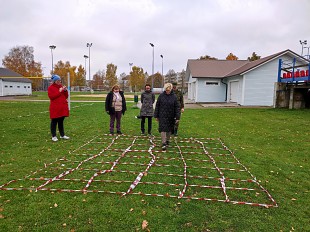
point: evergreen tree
(253, 57)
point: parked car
(86, 89)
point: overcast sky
(121, 30)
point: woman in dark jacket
(59, 109)
(167, 113)
(147, 111)
(115, 106)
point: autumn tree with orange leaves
(111, 78)
(21, 60)
(137, 79)
(79, 79)
(62, 69)
(231, 57)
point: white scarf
(118, 96)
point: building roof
(9, 75)
(214, 68)
(254, 64)
(228, 68)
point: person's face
(174, 87)
(58, 82)
(168, 91)
(116, 90)
(148, 88)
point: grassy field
(273, 144)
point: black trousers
(60, 122)
(149, 123)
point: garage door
(234, 89)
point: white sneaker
(64, 137)
(54, 139)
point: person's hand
(157, 119)
(63, 88)
(182, 110)
(177, 121)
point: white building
(247, 83)
(12, 83)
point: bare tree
(171, 76)
(99, 80)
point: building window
(28, 87)
(25, 87)
(11, 86)
(5, 86)
(18, 86)
(212, 83)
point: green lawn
(273, 144)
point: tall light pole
(89, 45)
(152, 66)
(302, 43)
(162, 68)
(86, 57)
(130, 64)
(52, 47)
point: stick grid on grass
(192, 168)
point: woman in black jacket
(115, 106)
(167, 113)
(147, 111)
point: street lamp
(89, 45)
(302, 43)
(152, 66)
(130, 64)
(52, 47)
(86, 57)
(162, 68)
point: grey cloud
(122, 30)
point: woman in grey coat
(147, 111)
(167, 113)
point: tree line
(21, 60)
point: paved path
(188, 104)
